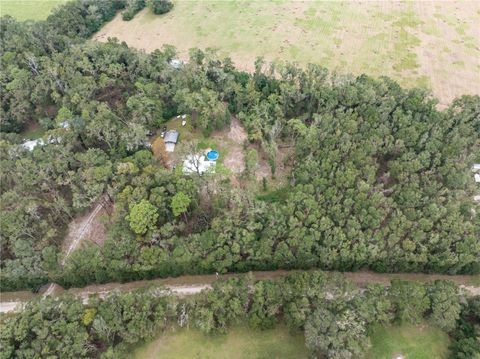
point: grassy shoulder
(28, 9)
(239, 343)
(409, 341)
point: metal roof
(171, 136)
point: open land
(28, 9)
(239, 343)
(408, 341)
(435, 45)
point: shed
(476, 167)
(171, 139)
(477, 177)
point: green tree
(251, 160)
(336, 335)
(143, 216)
(160, 6)
(180, 203)
(410, 299)
(445, 304)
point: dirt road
(189, 285)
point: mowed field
(239, 343)
(28, 9)
(430, 44)
(411, 342)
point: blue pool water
(212, 155)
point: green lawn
(28, 9)
(412, 342)
(239, 343)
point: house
(31, 144)
(171, 139)
(198, 164)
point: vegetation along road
(190, 285)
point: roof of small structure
(176, 63)
(171, 136)
(64, 124)
(31, 144)
(198, 164)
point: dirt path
(86, 227)
(189, 285)
(82, 228)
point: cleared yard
(430, 44)
(239, 343)
(409, 342)
(28, 9)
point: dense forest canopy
(379, 177)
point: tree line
(333, 314)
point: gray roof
(171, 136)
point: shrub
(160, 6)
(133, 6)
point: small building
(171, 139)
(64, 124)
(476, 171)
(198, 164)
(176, 63)
(31, 144)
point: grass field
(431, 44)
(412, 342)
(28, 9)
(240, 343)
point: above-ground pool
(212, 155)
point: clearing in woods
(430, 44)
(408, 341)
(238, 343)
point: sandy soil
(236, 136)
(464, 74)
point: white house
(31, 144)
(198, 164)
